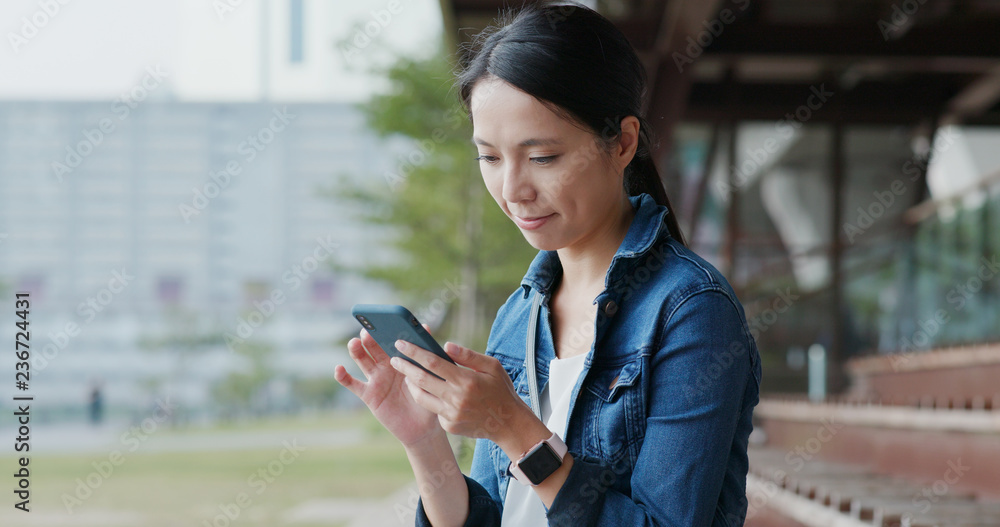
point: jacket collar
(645, 230)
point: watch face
(540, 463)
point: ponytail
(641, 176)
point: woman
(647, 370)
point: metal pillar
(733, 213)
(835, 355)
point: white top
(522, 506)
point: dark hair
(570, 56)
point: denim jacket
(661, 414)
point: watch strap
(555, 443)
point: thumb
(348, 381)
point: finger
(418, 377)
(425, 399)
(360, 356)
(376, 352)
(425, 358)
(470, 358)
(348, 381)
(426, 327)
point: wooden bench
(864, 498)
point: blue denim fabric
(661, 416)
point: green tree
(239, 393)
(448, 230)
(245, 392)
(184, 343)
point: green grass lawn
(186, 488)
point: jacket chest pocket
(615, 411)
(515, 370)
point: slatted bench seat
(828, 493)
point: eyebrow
(527, 142)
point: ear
(627, 143)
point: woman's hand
(476, 397)
(384, 393)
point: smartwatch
(540, 462)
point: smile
(532, 223)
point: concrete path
(84, 439)
(397, 509)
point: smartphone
(387, 322)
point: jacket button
(610, 308)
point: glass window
(295, 32)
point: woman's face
(549, 176)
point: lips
(532, 222)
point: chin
(542, 243)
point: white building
(181, 203)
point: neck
(585, 264)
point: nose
(517, 185)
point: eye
(488, 159)
(544, 160)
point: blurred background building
(181, 221)
(157, 188)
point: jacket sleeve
(485, 504)
(702, 383)
(484, 495)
